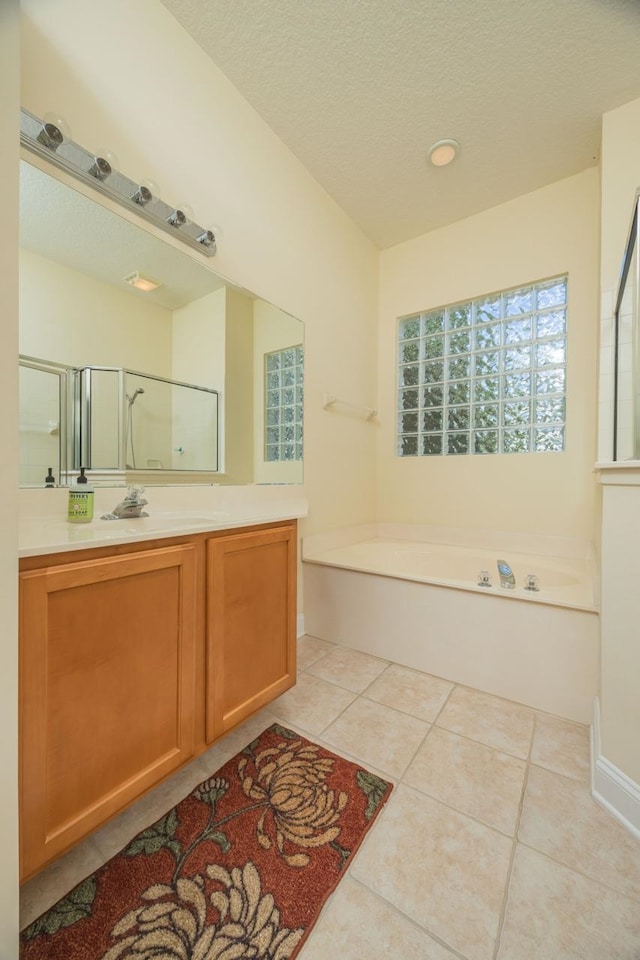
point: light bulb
(147, 191)
(181, 215)
(153, 187)
(217, 231)
(55, 130)
(104, 163)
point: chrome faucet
(507, 579)
(130, 507)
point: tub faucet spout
(507, 579)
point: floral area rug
(238, 869)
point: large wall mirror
(194, 380)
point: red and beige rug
(238, 869)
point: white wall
(620, 647)
(69, 317)
(551, 231)
(9, 84)
(239, 388)
(188, 128)
(198, 341)
(198, 357)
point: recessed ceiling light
(140, 282)
(443, 152)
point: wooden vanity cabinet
(107, 670)
(133, 659)
(251, 623)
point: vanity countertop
(44, 530)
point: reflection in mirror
(626, 433)
(43, 407)
(78, 309)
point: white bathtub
(418, 603)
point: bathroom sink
(173, 521)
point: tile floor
(490, 847)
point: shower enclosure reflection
(136, 421)
(129, 438)
(626, 434)
(112, 421)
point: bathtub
(417, 602)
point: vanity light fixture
(443, 152)
(51, 140)
(181, 216)
(178, 218)
(140, 282)
(51, 136)
(100, 168)
(142, 196)
(207, 239)
(54, 130)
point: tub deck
(566, 581)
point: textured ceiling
(61, 224)
(359, 89)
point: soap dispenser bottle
(50, 480)
(80, 500)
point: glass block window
(283, 404)
(486, 376)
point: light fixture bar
(81, 164)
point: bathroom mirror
(83, 267)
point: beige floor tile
(311, 649)
(562, 746)
(441, 868)
(497, 723)
(561, 819)
(348, 668)
(231, 743)
(377, 735)
(555, 914)
(357, 925)
(57, 879)
(472, 778)
(341, 752)
(312, 704)
(410, 691)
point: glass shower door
(626, 435)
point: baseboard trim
(300, 625)
(612, 788)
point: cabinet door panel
(107, 680)
(251, 624)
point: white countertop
(173, 512)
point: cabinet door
(251, 623)
(107, 668)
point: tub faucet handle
(531, 582)
(484, 578)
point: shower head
(132, 399)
